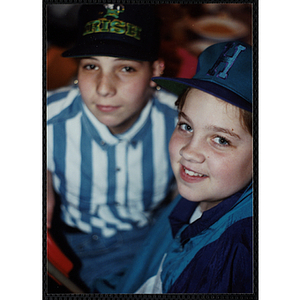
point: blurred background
(187, 29)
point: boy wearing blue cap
(211, 156)
(108, 141)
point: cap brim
(109, 48)
(177, 86)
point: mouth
(192, 173)
(107, 108)
(190, 176)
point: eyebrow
(182, 114)
(212, 127)
(224, 130)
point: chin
(188, 194)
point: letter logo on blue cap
(228, 60)
(113, 12)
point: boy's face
(211, 153)
(116, 90)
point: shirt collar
(182, 213)
(139, 124)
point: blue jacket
(211, 255)
(214, 253)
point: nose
(105, 85)
(193, 152)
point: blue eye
(185, 127)
(221, 141)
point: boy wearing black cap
(211, 156)
(107, 141)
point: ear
(157, 69)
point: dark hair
(245, 116)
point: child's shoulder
(166, 98)
(165, 103)
(61, 94)
(62, 104)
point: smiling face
(116, 90)
(211, 153)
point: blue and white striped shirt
(106, 182)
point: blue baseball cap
(118, 30)
(224, 70)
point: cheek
(135, 95)
(85, 87)
(82, 79)
(174, 146)
(246, 163)
(247, 168)
(137, 87)
(236, 172)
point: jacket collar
(180, 216)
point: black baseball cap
(118, 30)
